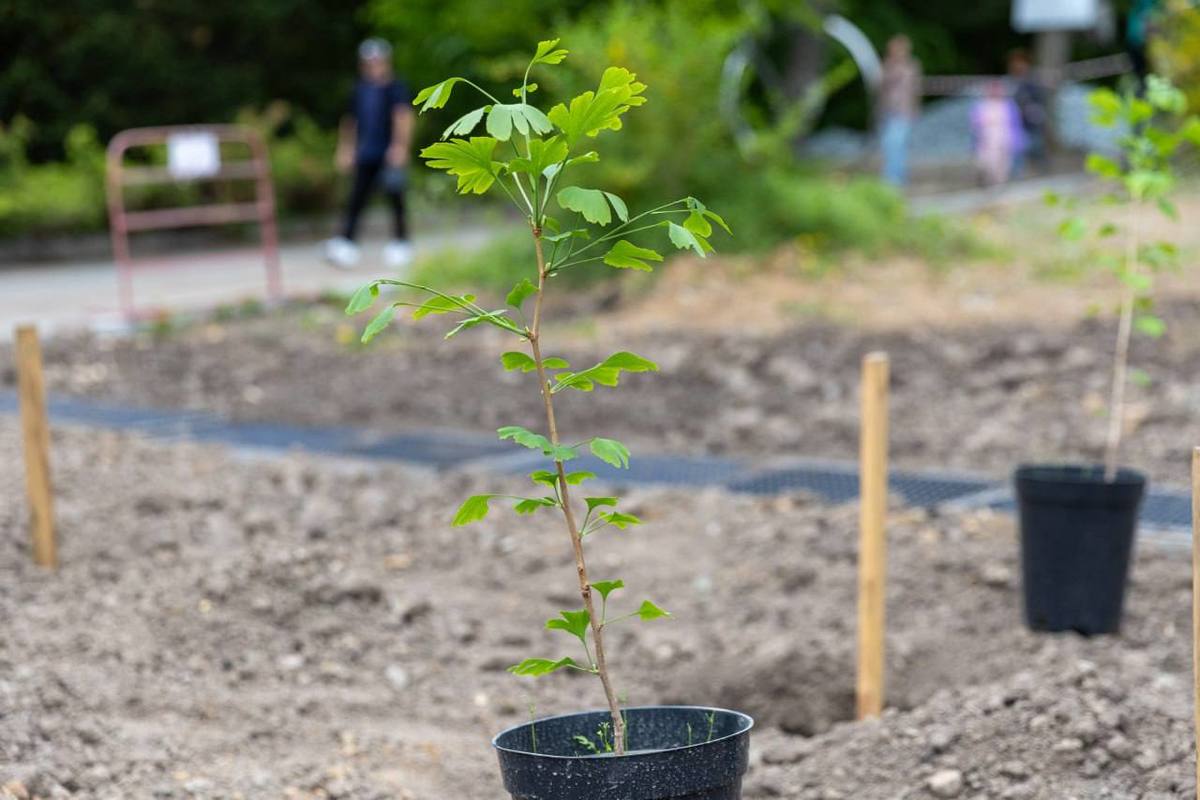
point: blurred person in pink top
(999, 135)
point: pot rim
(749, 720)
(1077, 474)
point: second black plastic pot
(1077, 534)
(675, 752)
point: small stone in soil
(946, 783)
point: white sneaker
(342, 253)
(397, 254)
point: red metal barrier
(256, 170)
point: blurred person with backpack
(374, 140)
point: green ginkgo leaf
(649, 611)
(591, 203)
(536, 667)
(520, 293)
(470, 160)
(627, 255)
(547, 54)
(377, 325)
(605, 588)
(473, 509)
(573, 622)
(363, 299)
(611, 452)
(521, 361)
(437, 95)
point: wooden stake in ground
(872, 548)
(1196, 605)
(36, 433)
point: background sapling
(1153, 126)
(527, 155)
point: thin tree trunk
(1116, 406)
(585, 587)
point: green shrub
(1175, 50)
(46, 198)
(302, 167)
(681, 144)
(69, 196)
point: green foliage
(627, 255)
(680, 143)
(535, 441)
(495, 269)
(536, 667)
(611, 452)
(1175, 47)
(116, 65)
(605, 588)
(68, 196)
(575, 623)
(1153, 127)
(301, 150)
(473, 509)
(544, 146)
(606, 373)
(648, 611)
(48, 198)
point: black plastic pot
(675, 752)
(1077, 533)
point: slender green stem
(623, 228)
(550, 187)
(511, 196)
(419, 287)
(481, 90)
(565, 264)
(585, 586)
(491, 317)
(591, 661)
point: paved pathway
(83, 295)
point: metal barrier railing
(194, 156)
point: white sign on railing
(195, 154)
(1032, 16)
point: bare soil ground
(994, 362)
(224, 627)
(982, 397)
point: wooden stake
(872, 547)
(1196, 605)
(36, 433)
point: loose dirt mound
(312, 629)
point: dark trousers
(366, 175)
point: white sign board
(193, 155)
(1032, 16)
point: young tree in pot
(1078, 522)
(635, 753)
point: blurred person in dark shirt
(374, 140)
(1033, 102)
